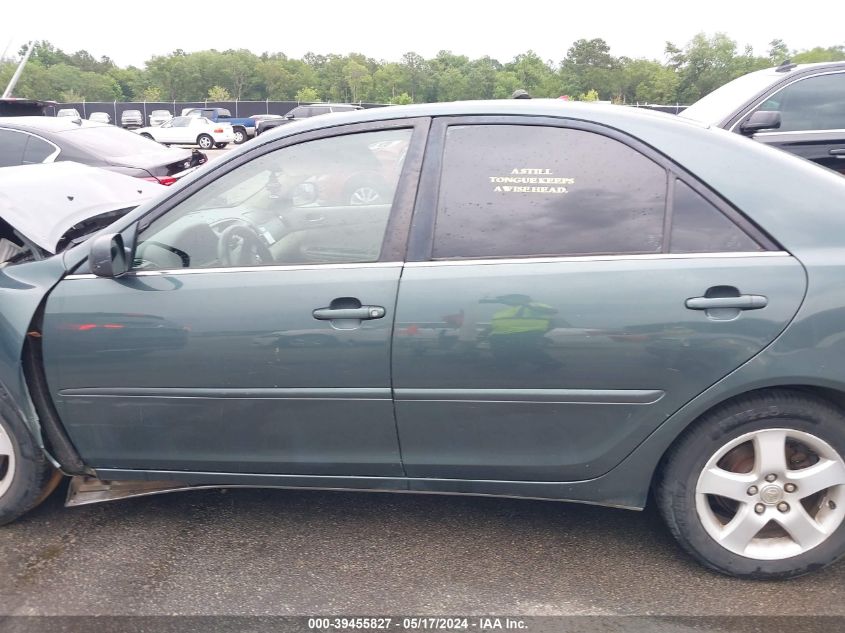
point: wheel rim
(364, 195)
(772, 494)
(239, 137)
(205, 143)
(7, 461)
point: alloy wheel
(364, 195)
(772, 494)
(7, 461)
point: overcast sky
(386, 29)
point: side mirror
(761, 120)
(288, 116)
(107, 256)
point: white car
(183, 130)
(69, 112)
(158, 117)
(99, 117)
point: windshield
(161, 113)
(722, 102)
(111, 141)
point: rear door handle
(742, 302)
(839, 152)
(363, 313)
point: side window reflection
(322, 201)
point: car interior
(310, 208)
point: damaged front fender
(23, 288)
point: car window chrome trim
(242, 269)
(535, 396)
(592, 258)
(813, 132)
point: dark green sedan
(526, 298)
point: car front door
(253, 333)
(812, 113)
(567, 290)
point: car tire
(776, 458)
(240, 135)
(205, 141)
(220, 145)
(26, 477)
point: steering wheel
(239, 245)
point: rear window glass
(699, 227)
(110, 141)
(37, 150)
(12, 146)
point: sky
(385, 29)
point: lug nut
(771, 478)
(790, 487)
(783, 506)
(752, 491)
(759, 508)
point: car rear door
(252, 336)
(567, 290)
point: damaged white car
(46, 208)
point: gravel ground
(286, 552)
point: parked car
(799, 108)
(187, 130)
(15, 106)
(157, 117)
(100, 117)
(52, 205)
(36, 139)
(304, 112)
(243, 128)
(559, 301)
(131, 119)
(68, 112)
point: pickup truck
(244, 128)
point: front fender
(23, 287)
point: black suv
(303, 112)
(797, 108)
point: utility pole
(13, 82)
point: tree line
(588, 71)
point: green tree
(588, 65)
(403, 99)
(357, 78)
(308, 95)
(506, 83)
(151, 93)
(778, 51)
(416, 73)
(388, 82)
(706, 63)
(481, 78)
(532, 72)
(218, 93)
(820, 54)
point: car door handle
(839, 152)
(362, 313)
(742, 302)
